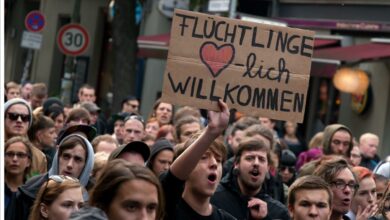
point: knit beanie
(14, 101)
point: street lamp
(354, 81)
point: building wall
(154, 23)
(15, 55)
(376, 119)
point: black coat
(229, 198)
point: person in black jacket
(241, 192)
(194, 176)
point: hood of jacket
(32, 186)
(85, 174)
(328, 134)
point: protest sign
(255, 68)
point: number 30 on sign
(72, 39)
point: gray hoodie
(85, 174)
(21, 205)
(328, 134)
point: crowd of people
(70, 162)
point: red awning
(154, 46)
(355, 53)
(320, 43)
(160, 39)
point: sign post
(32, 40)
(73, 39)
(254, 68)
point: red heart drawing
(216, 58)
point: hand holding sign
(252, 67)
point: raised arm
(186, 162)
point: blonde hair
(100, 161)
(316, 140)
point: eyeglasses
(15, 116)
(290, 169)
(342, 185)
(136, 117)
(19, 155)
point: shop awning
(320, 43)
(355, 53)
(154, 46)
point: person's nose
(143, 214)
(347, 189)
(70, 163)
(313, 211)
(256, 161)
(285, 171)
(166, 166)
(75, 208)
(371, 198)
(213, 162)
(15, 157)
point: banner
(254, 68)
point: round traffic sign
(34, 21)
(72, 39)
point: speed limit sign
(72, 39)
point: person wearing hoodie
(74, 158)
(337, 140)
(161, 156)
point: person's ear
(28, 161)
(291, 211)
(44, 210)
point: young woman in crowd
(57, 199)
(294, 143)
(152, 127)
(163, 112)
(17, 163)
(363, 204)
(161, 156)
(126, 191)
(58, 116)
(167, 132)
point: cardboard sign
(253, 67)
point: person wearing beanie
(18, 119)
(337, 140)
(287, 167)
(161, 156)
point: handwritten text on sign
(253, 67)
